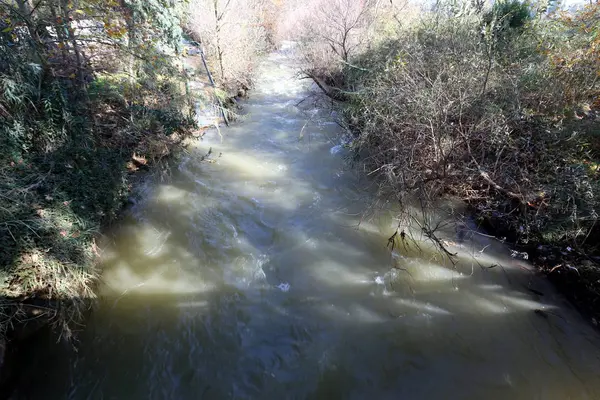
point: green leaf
(5, 30)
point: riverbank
(51, 285)
(493, 106)
(52, 208)
(80, 111)
(235, 278)
(55, 204)
(575, 272)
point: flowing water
(252, 276)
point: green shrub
(76, 107)
(507, 17)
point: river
(255, 275)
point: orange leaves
(116, 33)
(575, 56)
(114, 30)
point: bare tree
(330, 33)
(233, 35)
(343, 24)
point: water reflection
(256, 277)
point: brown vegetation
(494, 106)
(234, 34)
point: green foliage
(168, 120)
(508, 16)
(85, 86)
(162, 15)
(502, 25)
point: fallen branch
(329, 91)
(499, 188)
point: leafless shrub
(233, 34)
(433, 117)
(330, 32)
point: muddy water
(253, 276)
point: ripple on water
(246, 271)
(284, 286)
(336, 149)
(246, 291)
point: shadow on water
(248, 277)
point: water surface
(255, 276)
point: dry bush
(575, 56)
(485, 103)
(438, 111)
(331, 32)
(233, 36)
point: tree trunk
(70, 33)
(331, 92)
(218, 38)
(27, 13)
(129, 15)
